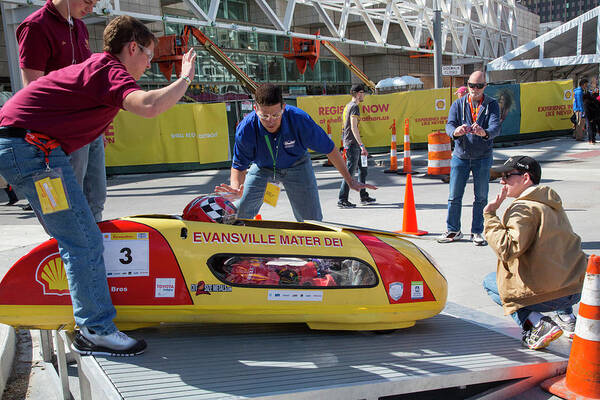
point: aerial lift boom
(171, 48)
(307, 51)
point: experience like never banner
(186, 133)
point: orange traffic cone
(393, 155)
(258, 217)
(582, 380)
(409, 218)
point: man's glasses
(476, 85)
(149, 53)
(509, 174)
(265, 117)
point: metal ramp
(293, 362)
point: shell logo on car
(52, 276)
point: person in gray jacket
(473, 123)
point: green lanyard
(271, 151)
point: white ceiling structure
(572, 46)
(472, 30)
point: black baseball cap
(524, 164)
(357, 88)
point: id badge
(272, 193)
(50, 189)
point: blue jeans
(459, 175)
(88, 164)
(79, 239)
(353, 162)
(562, 306)
(299, 182)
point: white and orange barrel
(393, 153)
(439, 154)
(582, 380)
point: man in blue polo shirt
(275, 139)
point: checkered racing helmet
(211, 208)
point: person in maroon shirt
(57, 114)
(51, 38)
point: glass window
(328, 70)
(342, 72)
(306, 272)
(266, 42)
(236, 10)
(282, 43)
(256, 67)
(240, 60)
(313, 75)
(292, 72)
(275, 69)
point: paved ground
(572, 168)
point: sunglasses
(476, 85)
(509, 174)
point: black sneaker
(367, 200)
(542, 335)
(345, 204)
(116, 344)
(27, 207)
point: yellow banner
(212, 134)
(186, 133)
(546, 106)
(427, 111)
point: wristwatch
(186, 78)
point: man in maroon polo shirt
(51, 38)
(57, 114)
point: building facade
(559, 10)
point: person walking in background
(54, 116)
(51, 38)
(591, 108)
(581, 122)
(473, 123)
(356, 152)
(12, 196)
(541, 266)
(273, 141)
(461, 91)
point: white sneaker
(567, 325)
(449, 236)
(478, 239)
(115, 344)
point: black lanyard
(271, 151)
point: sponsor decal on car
(396, 290)
(165, 287)
(295, 295)
(416, 290)
(208, 288)
(51, 274)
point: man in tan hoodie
(541, 266)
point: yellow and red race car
(169, 269)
